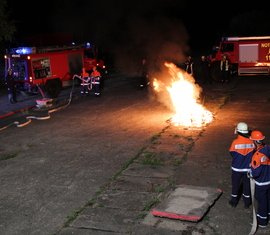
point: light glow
(185, 98)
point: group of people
(91, 81)
(88, 82)
(201, 69)
(251, 160)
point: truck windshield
(19, 67)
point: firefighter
(189, 65)
(85, 82)
(11, 86)
(144, 76)
(96, 80)
(260, 172)
(241, 150)
(225, 69)
(203, 70)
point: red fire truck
(247, 55)
(51, 67)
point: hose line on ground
(29, 118)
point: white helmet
(242, 127)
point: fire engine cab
(52, 67)
(247, 55)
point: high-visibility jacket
(241, 150)
(95, 75)
(260, 166)
(224, 65)
(85, 78)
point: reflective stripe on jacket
(224, 67)
(241, 150)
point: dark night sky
(156, 28)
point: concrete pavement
(27, 102)
(177, 156)
(190, 156)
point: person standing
(85, 83)
(144, 76)
(11, 87)
(96, 80)
(189, 65)
(204, 70)
(241, 150)
(225, 69)
(260, 172)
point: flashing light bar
(86, 44)
(23, 50)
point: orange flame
(184, 95)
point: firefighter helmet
(242, 127)
(257, 135)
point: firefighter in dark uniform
(144, 76)
(225, 69)
(241, 150)
(189, 65)
(96, 80)
(203, 71)
(11, 86)
(260, 172)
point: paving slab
(126, 200)
(139, 184)
(187, 202)
(106, 219)
(149, 171)
(83, 231)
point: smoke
(142, 31)
(128, 30)
(157, 39)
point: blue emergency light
(88, 45)
(23, 50)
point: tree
(7, 26)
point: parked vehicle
(50, 67)
(247, 55)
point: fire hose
(252, 189)
(29, 118)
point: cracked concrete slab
(187, 202)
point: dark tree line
(7, 25)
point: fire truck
(50, 67)
(247, 55)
